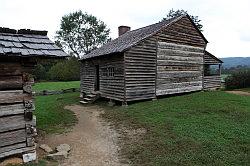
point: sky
(225, 23)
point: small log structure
(19, 52)
(160, 59)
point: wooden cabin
(19, 52)
(160, 59)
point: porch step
(84, 102)
(87, 99)
(91, 96)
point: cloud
(226, 24)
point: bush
(40, 72)
(237, 80)
(68, 70)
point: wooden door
(97, 78)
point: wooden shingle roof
(131, 38)
(28, 43)
(213, 57)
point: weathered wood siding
(87, 76)
(179, 58)
(212, 82)
(210, 60)
(17, 123)
(182, 32)
(179, 68)
(111, 87)
(140, 70)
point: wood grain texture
(17, 150)
(15, 91)
(11, 82)
(10, 68)
(12, 109)
(140, 70)
(111, 87)
(12, 137)
(212, 82)
(179, 68)
(182, 32)
(13, 96)
(9, 123)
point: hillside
(235, 61)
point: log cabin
(168, 57)
(19, 52)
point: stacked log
(18, 124)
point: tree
(175, 13)
(80, 33)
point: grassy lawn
(203, 128)
(55, 85)
(50, 112)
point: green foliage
(39, 72)
(238, 80)
(60, 70)
(81, 32)
(55, 85)
(175, 13)
(68, 70)
(235, 69)
(51, 115)
(203, 128)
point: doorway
(97, 78)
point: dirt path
(239, 93)
(92, 140)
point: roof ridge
(6, 30)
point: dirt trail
(92, 140)
(239, 93)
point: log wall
(179, 68)
(17, 123)
(212, 82)
(180, 54)
(140, 70)
(87, 76)
(111, 86)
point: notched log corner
(27, 88)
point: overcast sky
(226, 22)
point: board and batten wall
(180, 51)
(140, 70)
(17, 129)
(111, 87)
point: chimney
(123, 29)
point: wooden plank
(180, 90)
(12, 137)
(11, 82)
(13, 96)
(15, 122)
(17, 151)
(12, 147)
(14, 109)
(10, 68)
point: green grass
(203, 128)
(55, 85)
(51, 115)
